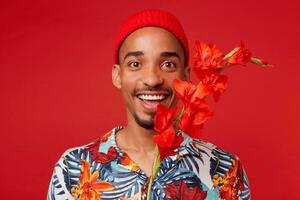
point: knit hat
(156, 18)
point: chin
(145, 123)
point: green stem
(258, 61)
(155, 169)
(178, 118)
(231, 53)
(156, 163)
(220, 70)
(226, 57)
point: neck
(136, 138)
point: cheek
(183, 74)
(171, 77)
(128, 83)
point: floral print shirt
(100, 170)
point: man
(151, 51)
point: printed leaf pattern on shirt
(231, 183)
(88, 186)
(183, 192)
(72, 177)
(126, 162)
(101, 157)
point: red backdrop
(56, 91)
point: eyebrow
(169, 54)
(134, 53)
(162, 54)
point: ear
(187, 70)
(116, 79)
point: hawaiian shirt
(101, 170)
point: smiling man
(151, 51)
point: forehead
(149, 40)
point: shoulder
(68, 167)
(219, 160)
(215, 167)
(87, 151)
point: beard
(146, 124)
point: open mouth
(150, 100)
(148, 97)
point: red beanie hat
(152, 17)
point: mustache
(153, 89)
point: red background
(56, 91)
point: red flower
(213, 82)
(207, 56)
(166, 138)
(190, 93)
(169, 151)
(193, 119)
(241, 56)
(163, 125)
(182, 191)
(196, 110)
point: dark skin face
(149, 60)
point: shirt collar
(110, 141)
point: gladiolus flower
(240, 56)
(193, 119)
(196, 110)
(190, 93)
(166, 138)
(163, 125)
(213, 81)
(207, 56)
(169, 151)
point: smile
(148, 97)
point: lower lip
(149, 106)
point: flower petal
(85, 171)
(163, 117)
(103, 186)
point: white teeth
(151, 97)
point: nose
(152, 77)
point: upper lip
(153, 93)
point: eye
(134, 64)
(169, 66)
